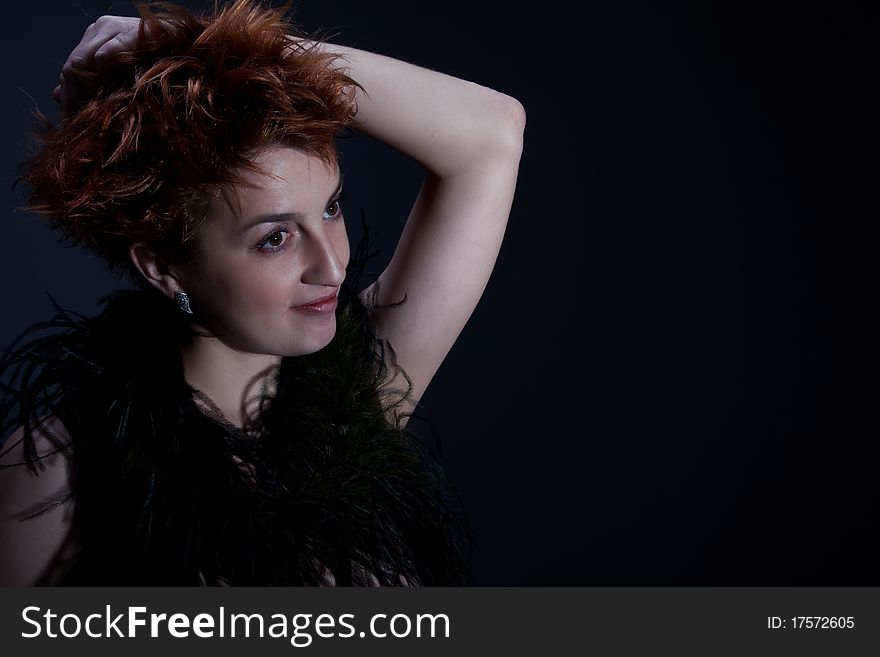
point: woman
(241, 417)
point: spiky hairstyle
(176, 117)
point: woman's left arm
(469, 139)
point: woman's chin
(313, 339)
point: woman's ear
(154, 269)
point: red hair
(175, 118)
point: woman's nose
(324, 265)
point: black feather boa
(166, 494)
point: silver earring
(183, 302)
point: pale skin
(253, 274)
(468, 138)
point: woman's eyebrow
(289, 216)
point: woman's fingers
(103, 38)
(119, 42)
(56, 93)
(123, 32)
(75, 89)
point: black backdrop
(666, 381)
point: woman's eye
(276, 241)
(273, 242)
(335, 209)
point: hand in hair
(78, 79)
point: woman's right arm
(34, 551)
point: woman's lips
(325, 305)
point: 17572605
(810, 622)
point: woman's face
(267, 249)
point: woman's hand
(78, 80)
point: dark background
(666, 381)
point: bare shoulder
(34, 544)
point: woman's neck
(234, 381)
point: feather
(323, 488)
